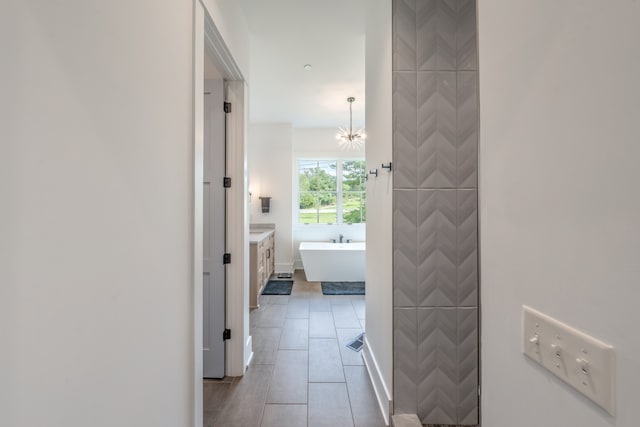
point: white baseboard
(379, 387)
(248, 351)
(297, 264)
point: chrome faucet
(341, 237)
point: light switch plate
(583, 362)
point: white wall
(96, 218)
(269, 163)
(560, 203)
(320, 143)
(379, 196)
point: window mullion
(339, 218)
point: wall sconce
(265, 202)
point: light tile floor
(301, 374)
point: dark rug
(343, 288)
(278, 287)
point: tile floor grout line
(346, 386)
(307, 292)
(273, 371)
(308, 361)
(266, 395)
(344, 374)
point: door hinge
(226, 182)
(226, 258)
(226, 335)
(227, 107)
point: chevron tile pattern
(404, 130)
(467, 365)
(437, 248)
(404, 35)
(436, 22)
(405, 244)
(467, 248)
(466, 51)
(435, 210)
(467, 129)
(405, 360)
(436, 129)
(437, 365)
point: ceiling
(286, 35)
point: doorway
(233, 355)
(238, 200)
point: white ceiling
(286, 35)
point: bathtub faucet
(341, 237)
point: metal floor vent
(357, 343)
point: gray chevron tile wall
(435, 212)
(436, 117)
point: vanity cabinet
(261, 263)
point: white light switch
(583, 362)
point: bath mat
(357, 343)
(343, 288)
(278, 287)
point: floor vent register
(357, 343)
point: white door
(214, 280)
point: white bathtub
(333, 262)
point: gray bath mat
(343, 288)
(278, 287)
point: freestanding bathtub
(333, 262)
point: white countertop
(256, 236)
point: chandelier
(347, 138)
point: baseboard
(283, 267)
(382, 394)
(297, 264)
(248, 351)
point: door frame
(215, 223)
(238, 349)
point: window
(331, 191)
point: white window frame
(339, 159)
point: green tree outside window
(331, 191)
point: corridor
(302, 373)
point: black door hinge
(226, 259)
(227, 107)
(226, 335)
(226, 182)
